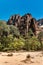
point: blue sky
(11, 7)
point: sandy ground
(20, 58)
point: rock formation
(24, 23)
(40, 21)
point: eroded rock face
(40, 22)
(24, 23)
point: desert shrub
(4, 29)
(14, 31)
(40, 37)
(10, 43)
(18, 44)
(30, 33)
(32, 44)
(0, 46)
(5, 41)
(5, 49)
(10, 39)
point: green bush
(10, 39)
(0, 46)
(14, 31)
(40, 37)
(32, 44)
(18, 44)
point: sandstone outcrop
(24, 23)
